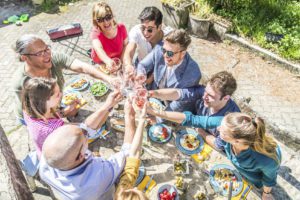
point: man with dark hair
(143, 37)
(171, 66)
(214, 99)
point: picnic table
(157, 158)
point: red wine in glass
(140, 101)
(141, 93)
(140, 79)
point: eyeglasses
(170, 54)
(40, 53)
(105, 18)
(148, 29)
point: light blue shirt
(92, 180)
(187, 74)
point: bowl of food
(98, 89)
(160, 133)
(167, 192)
(181, 167)
(220, 177)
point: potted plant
(37, 2)
(176, 12)
(200, 18)
(221, 26)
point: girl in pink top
(41, 99)
(109, 39)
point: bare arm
(138, 136)
(100, 52)
(169, 115)
(209, 139)
(169, 94)
(82, 67)
(125, 44)
(129, 53)
(98, 118)
(129, 123)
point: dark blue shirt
(194, 95)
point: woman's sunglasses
(105, 18)
(170, 54)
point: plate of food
(167, 191)
(160, 133)
(101, 133)
(189, 142)
(71, 96)
(79, 84)
(220, 176)
(156, 104)
(141, 175)
(103, 68)
(98, 89)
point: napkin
(243, 194)
(200, 157)
(145, 182)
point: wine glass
(141, 76)
(117, 64)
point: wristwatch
(88, 132)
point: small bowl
(185, 164)
(170, 188)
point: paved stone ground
(273, 90)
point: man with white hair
(73, 172)
(41, 61)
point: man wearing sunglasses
(143, 37)
(41, 61)
(172, 66)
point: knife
(230, 190)
(245, 192)
(148, 184)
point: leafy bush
(254, 18)
(202, 9)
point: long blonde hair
(101, 9)
(130, 194)
(253, 132)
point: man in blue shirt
(171, 65)
(73, 172)
(212, 100)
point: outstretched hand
(114, 98)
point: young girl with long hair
(41, 99)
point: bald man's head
(62, 149)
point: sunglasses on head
(105, 18)
(148, 29)
(170, 54)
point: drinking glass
(141, 76)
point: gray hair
(24, 41)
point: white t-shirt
(143, 46)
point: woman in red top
(109, 39)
